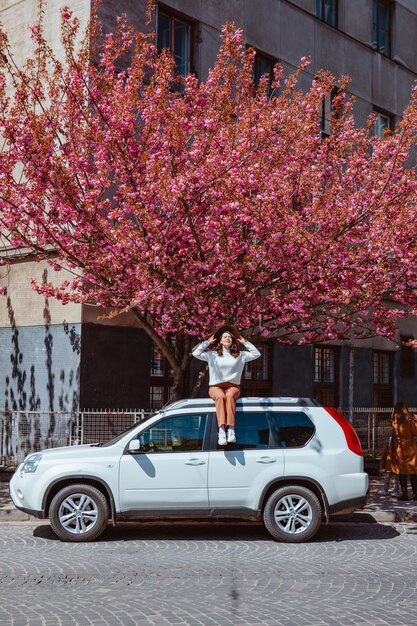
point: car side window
(178, 433)
(252, 431)
(291, 430)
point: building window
(407, 362)
(257, 375)
(382, 378)
(326, 114)
(174, 34)
(382, 124)
(157, 362)
(326, 375)
(263, 66)
(156, 397)
(159, 396)
(161, 380)
(326, 10)
(381, 26)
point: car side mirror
(134, 446)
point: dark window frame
(326, 117)
(382, 392)
(270, 62)
(165, 380)
(254, 385)
(326, 391)
(321, 6)
(173, 16)
(386, 114)
(377, 44)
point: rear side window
(252, 432)
(259, 431)
(291, 430)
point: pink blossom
(215, 205)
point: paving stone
(208, 575)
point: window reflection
(180, 433)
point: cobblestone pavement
(209, 574)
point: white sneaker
(222, 437)
(231, 437)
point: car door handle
(195, 462)
(266, 459)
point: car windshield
(124, 432)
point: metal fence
(23, 432)
(373, 427)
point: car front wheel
(292, 514)
(79, 513)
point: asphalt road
(209, 574)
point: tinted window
(252, 431)
(178, 433)
(291, 430)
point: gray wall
(293, 370)
(39, 367)
(363, 388)
(406, 387)
(288, 30)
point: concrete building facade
(56, 357)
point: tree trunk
(199, 381)
(177, 351)
(180, 386)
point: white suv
(294, 463)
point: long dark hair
(234, 348)
(400, 412)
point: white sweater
(225, 368)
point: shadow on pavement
(225, 531)
(344, 531)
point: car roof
(267, 402)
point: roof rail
(255, 401)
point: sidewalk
(378, 509)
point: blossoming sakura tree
(208, 203)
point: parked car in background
(294, 464)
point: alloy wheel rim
(78, 513)
(293, 514)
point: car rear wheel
(292, 514)
(79, 513)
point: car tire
(79, 513)
(292, 514)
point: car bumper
(348, 506)
(20, 492)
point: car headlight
(31, 463)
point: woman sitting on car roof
(226, 362)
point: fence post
(2, 433)
(372, 434)
(80, 428)
(16, 435)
